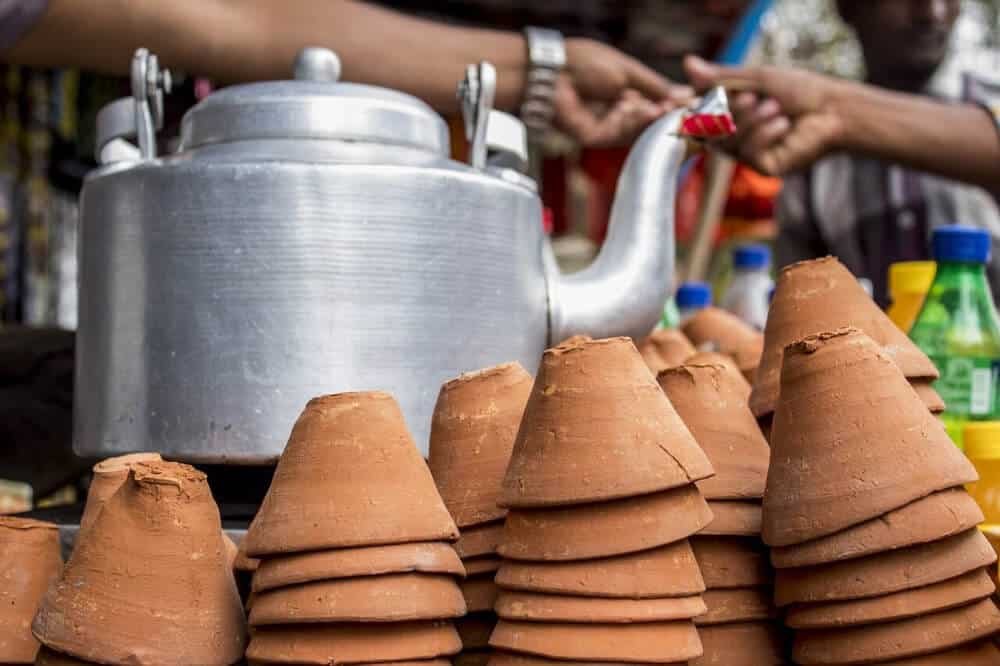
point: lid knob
(315, 63)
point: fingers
(618, 125)
(641, 78)
(704, 75)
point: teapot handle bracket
(136, 117)
(477, 92)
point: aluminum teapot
(313, 236)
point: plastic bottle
(747, 294)
(982, 446)
(691, 297)
(671, 317)
(909, 282)
(959, 329)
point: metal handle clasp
(137, 117)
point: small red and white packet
(711, 118)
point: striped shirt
(871, 213)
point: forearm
(958, 141)
(241, 40)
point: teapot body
(225, 286)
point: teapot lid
(314, 106)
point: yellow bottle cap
(911, 277)
(982, 440)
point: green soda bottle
(671, 317)
(959, 329)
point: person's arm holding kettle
(602, 96)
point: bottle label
(967, 385)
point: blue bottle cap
(955, 242)
(693, 295)
(752, 256)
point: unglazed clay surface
(604, 529)
(30, 560)
(649, 642)
(939, 515)
(665, 348)
(893, 640)
(903, 569)
(387, 598)
(851, 441)
(324, 644)
(950, 593)
(534, 607)
(472, 435)
(431, 557)
(597, 427)
(731, 334)
(349, 476)
(822, 295)
(670, 570)
(149, 583)
(711, 400)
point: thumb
(704, 75)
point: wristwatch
(546, 59)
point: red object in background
(602, 166)
(708, 125)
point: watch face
(546, 48)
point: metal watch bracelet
(546, 59)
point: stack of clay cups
(739, 628)
(822, 295)
(356, 563)
(874, 539)
(30, 560)
(597, 565)
(472, 434)
(715, 328)
(665, 348)
(149, 580)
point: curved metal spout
(623, 291)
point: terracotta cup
(500, 658)
(30, 560)
(603, 529)
(885, 573)
(534, 607)
(732, 562)
(482, 565)
(822, 295)
(897, 640)
(108, 476)
(648, 642)
(664, 349)
(480, 593)
(734, 518)
(597, 427)
(353, 643)
(398, 597)
(937, 516)
(851, 441)
(930, 397)
(350, 476)
(711, 400)
(479, 540)
(149, 581)
(742, 644)
(730, 334)
(429, 557)
(746, 604)
(668, 571)
(983, 653)
(718, 358)
(947, 594)
(472, 435)
(244, 562)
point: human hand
(786, 118)
(606, 98)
